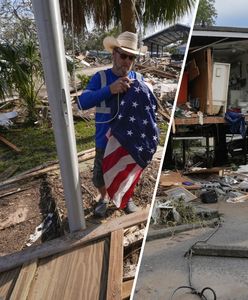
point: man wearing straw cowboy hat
(103, 92)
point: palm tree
(21, 71)
(107, 12)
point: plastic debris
(39, 230)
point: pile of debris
(91, 59)
(159, 67)
(179, 196)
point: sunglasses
(125, 56)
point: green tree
(206, 13)
(20, 64)
(16, 21)
(21, 71)
(128, 12)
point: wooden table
(206, 120)
(215, 126)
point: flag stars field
(135, 104)
(136, 123)
(140, 149)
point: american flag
(132, 141)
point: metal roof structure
(202, 36)
(156, 42)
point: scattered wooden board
(24, 281)
(115, 272)
(9, 144)
(204, 170)
(71, 240)
(40, 170)
(176, 179)
(180, 192)
(77, 274)
(7, 282)
(127, 289)
(89, 270)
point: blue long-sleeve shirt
(95, 95)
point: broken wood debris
(102, 244)
(8, 172)
(156, 72)
(45, 168)
(9, 144)
(71, 240)
(169, 179)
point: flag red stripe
(130, 191)
(113, 158)
(122, 175)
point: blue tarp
(236, 122)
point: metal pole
(48, 21)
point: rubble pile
(182, 201)
(160, 67)
(90, 60)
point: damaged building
(213, 84)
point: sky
(232, 13)
(185, 20)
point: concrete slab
(164, 267)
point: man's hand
(121, 85)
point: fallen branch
(8, 143)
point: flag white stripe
(112, 145)
(117, 168)
(125, 185)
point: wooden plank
(24, 281)
(127, 289)
(7, 282)
(164, 114)
(8, 143)
(77, 274)
(177, 179)
(8, 172)
(199, 87)
(209, 82)
(195, 121)
(115, 272)
(192, 69)
(71, 240)
(206, 120)
(204, 170)
(40, 170)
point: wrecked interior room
(209, 127)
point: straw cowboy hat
(127, 41)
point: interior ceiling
(224, 41)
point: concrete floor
(164, 267)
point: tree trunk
(128, 16)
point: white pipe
(48, 21)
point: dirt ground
(25, 205)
